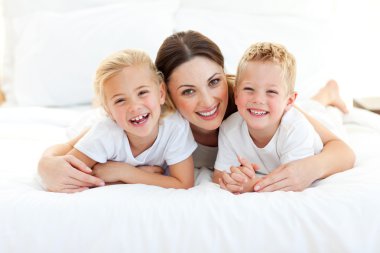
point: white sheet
(337, 214)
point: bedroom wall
(330, 38)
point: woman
(193, 69)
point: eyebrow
(138, 88)
(190, 85)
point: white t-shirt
(294, 139)
(107, 141)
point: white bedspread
(338, 214)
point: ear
(162, 91)
(290, 100)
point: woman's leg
(329, 95)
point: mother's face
(199, 90)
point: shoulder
(294, 120)
(174, 124)
(173, 120)
(233, 123)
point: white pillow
(57, 53)
(307, 38)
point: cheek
(185, 106)
(241, 99)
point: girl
(131, 91)
(193, 69)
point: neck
(140, 144)
(261, 138)
(205, 137)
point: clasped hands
(241, 179)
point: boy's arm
(181, 174)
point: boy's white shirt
(107, 141)
(294, 139)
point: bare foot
(329, 95)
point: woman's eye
(188, 92)
(214, 82)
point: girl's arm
(181, 174)
(298, 175)
(60, 172)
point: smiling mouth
(209, 113)
(139, 119)
(257, 112)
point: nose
(206, 98)
(133, 105)
(257, 98)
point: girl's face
(262, 98)
(133, 99)
(199, 90)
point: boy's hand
(241, 179)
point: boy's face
(261, 96)
(133, 100)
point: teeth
(258, 113)
(207, 114)
(140, 117)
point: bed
(338, 214)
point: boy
(266, 129)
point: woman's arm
(65, 173)
(181, 174)
(298, 175)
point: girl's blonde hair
(273, 53)
(116, 62)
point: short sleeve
(227, 155)
(298, 140)
(181, 142)
(99, 142)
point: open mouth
(140, 119)
(208, 113)
(257, 112)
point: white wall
(351, 54)
(357, 46)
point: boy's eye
(272, 91)
(187, 92)
(248, 89)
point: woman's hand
(293, 176)
(66, 174)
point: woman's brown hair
(182, 47)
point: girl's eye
(119, 101)
(187, 92)
(214, 82)
(143, 92)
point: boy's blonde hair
(116, 62)
(274, 53)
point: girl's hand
(152, 169)
(293, 176)
(110, 172)
(66, 174)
